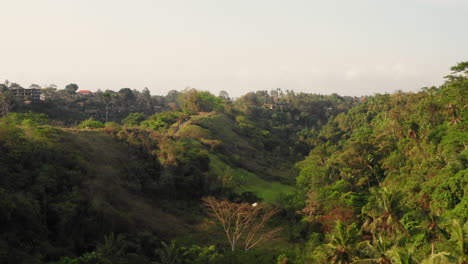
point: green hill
(380, 179)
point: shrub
(90, 123)
(25, 119)
(133, 119)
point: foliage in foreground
(396, 166)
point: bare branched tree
(242, 222)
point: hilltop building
(26, 95)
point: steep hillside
(67, 191)
(395, 165)
(212, 151)
(62, 191)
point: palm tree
(433, 227)
(440, 258)
(113, 246)
(459, 238)
(383, 211)
(377, 250)
(169, 254)
(402, 255)
(342, 244)
(107, 98)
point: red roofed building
(85, 92)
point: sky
(358, 47)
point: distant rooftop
(84, 92)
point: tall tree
(242, 222)
(71, 88)
(7, 102)
(107, 98)
(432, 227)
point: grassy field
(269, 191)
(243, 181)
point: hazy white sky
(350, 47)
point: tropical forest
(275, 176)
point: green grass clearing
(243, 181)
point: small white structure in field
(254, 204)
